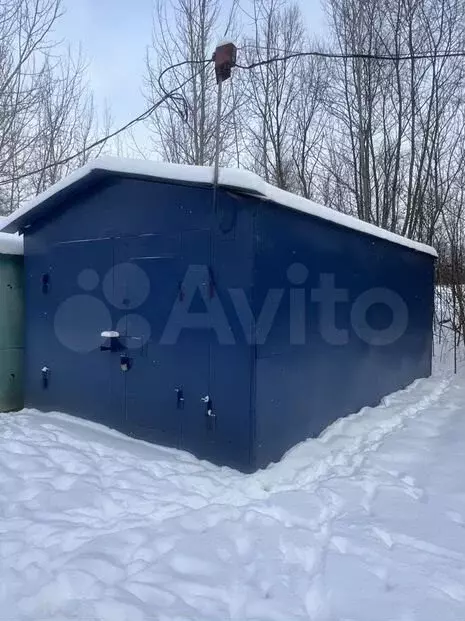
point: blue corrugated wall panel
(302, 388)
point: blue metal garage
(233, 324)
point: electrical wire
(353, 56)
(338, 55)
(179, 98)
(176, 66)
(142, 117)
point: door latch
(179, 398)
(209, 404)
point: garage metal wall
(161, 230)
(264, 396)
(302, 388)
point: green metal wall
(11, 332)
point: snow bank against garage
(365, 523)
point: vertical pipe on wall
(216, 173)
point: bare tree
(66, 122)
(185, 34)
(271, 91)
(46, 110)
(396, 119)
(309, 127)
(24, 40)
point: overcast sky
(114, 41)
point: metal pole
(218, 134)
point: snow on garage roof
(11, 244)
(241, 180)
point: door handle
(179, 398)
(112, 338)
(208, 402)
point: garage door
(71, 310)
(168, 383)
(153, 374)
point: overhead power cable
(430, 55)
(171, 95)
(142, 117)
(353, 56)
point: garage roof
(239, 180)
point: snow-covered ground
(366, 523)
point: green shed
(11, 322)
